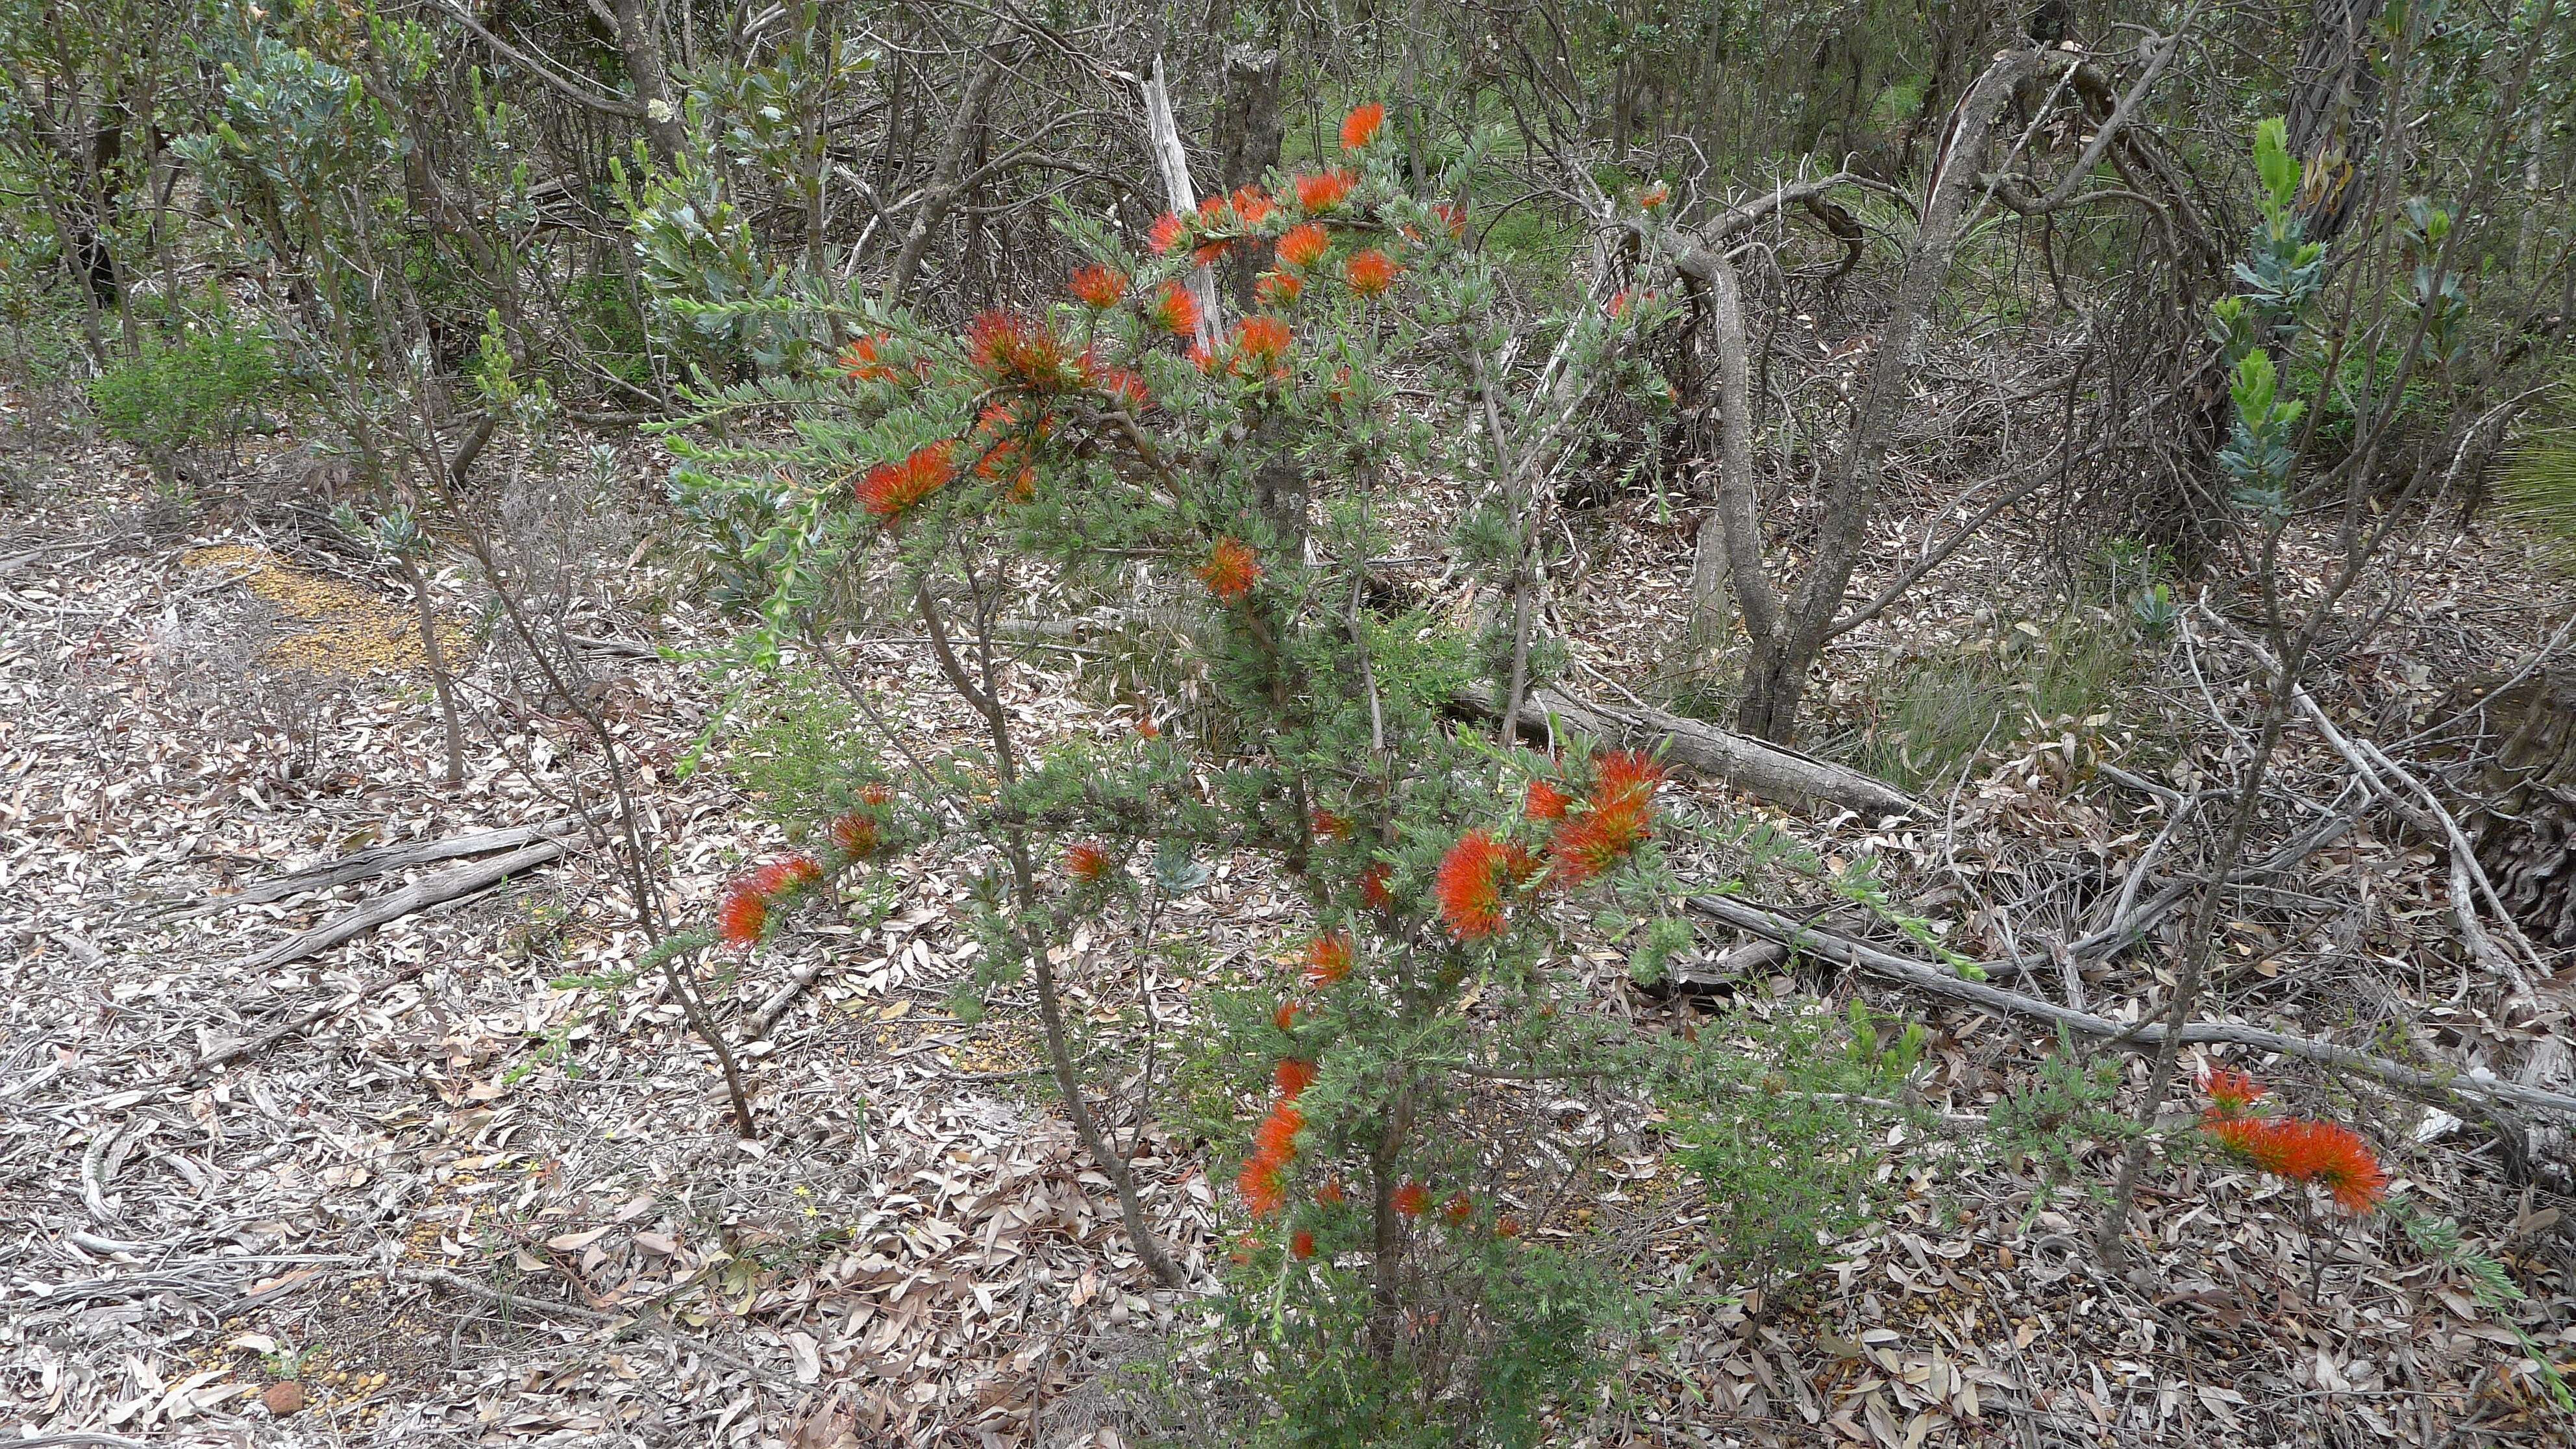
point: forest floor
(430, 1185)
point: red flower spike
(1276, 1138)
(1098, 287)
(861, 362)
(1277, 289)
(1168, 231)
(1293, 1077)
(1208, 254)
(1469, 886)
(874, 795)
(1324, 191)
(1230, 571)
(1302, 1243)
(1453, 216)
(1303, 245)
(1360, 126)
(2230, 1090)
(1260, 1184)
(1088, 863)
(1330, 1194)
(1369, 272)
(1458, 1209)
(2327, 1154)
(1373, 889)
(1285, 1018)
(1010, 347)
(1507, 1226)
(1124, 389)
(1330, 826)
(1328, 958)
(1654, 196)
(1251, 204)
(741, 915)
(1175, 310)
(855, 835)
(1412, 1198)
(1261, 341)
(890, 490)
(1146, 729)
(1543, 801)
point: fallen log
(1934, 980)
(419, 895)
(375, 861)
(1769, 771)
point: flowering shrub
(1121, 442)
(2326, 1155)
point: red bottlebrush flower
(1412, 1198)
(1624, 775)
(1175, 310)
(2230, 1091)
(1458, 1209)
(1619, 806)
(783, 875)
(1124, 389)
(861, 361)
(1373, 889)
(2333, 1157)
(1302, 1243)
(855, 834)
(1369, 272)
(1146, 729)
(1544, 801)
(741, 914)
(874, 794)
(890, 490)
(1261, 341)
(1276, 1137)
(1330, 1194)
(1330, 826)
(1208, 254)
(1230, 571)
(1200, 357)
(1277, 289)
(1360, 126)
(1328, 958)
(1260, 1184)
(1507, 1226)
(1293, 1077)
(1251, 204)
(1324, 190)
(1453, 216)
(1098, 287)
(1167, 234)
(1285, 1018)
(1654, 196)
(1088, 863)
(1469, 886)
(1579, 849)
(1303, 245)
(1014, 348)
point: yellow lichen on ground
(331, 627)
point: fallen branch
(419, 895)
(375, 861)
(1769, 771)
(2477, 1082)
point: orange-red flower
(1175, 310)
(1302, 1243)
(1303, 245)
(1277, 289)
(862, 362)
(1373, 888)
(2230, 1091)
(1360, 126)
(1231, 570)
(1098, 287)
(1014, 348)
(1458, 1209)
(1369, 272)
(1330, 1194)
(1451, 215)
(1469, 886)
(1331, 826)
(1123, 388)
(1507, 1226)
(1412, 1198)
(1261, 341)
(1322, 191)
(1168, 232)
(1293, 1077)
(1251, 204)
(2327, 1154)
(1276, 1137)
(1088, 862)
(1654, 196)
(1543, 801)
(1285, 1018)
(889, 490)
(1613, 822)
(1328, 958)
(1261, 1185)
(741, 914)
(855, 834)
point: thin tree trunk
(949, 170)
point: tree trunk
(642, 50)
